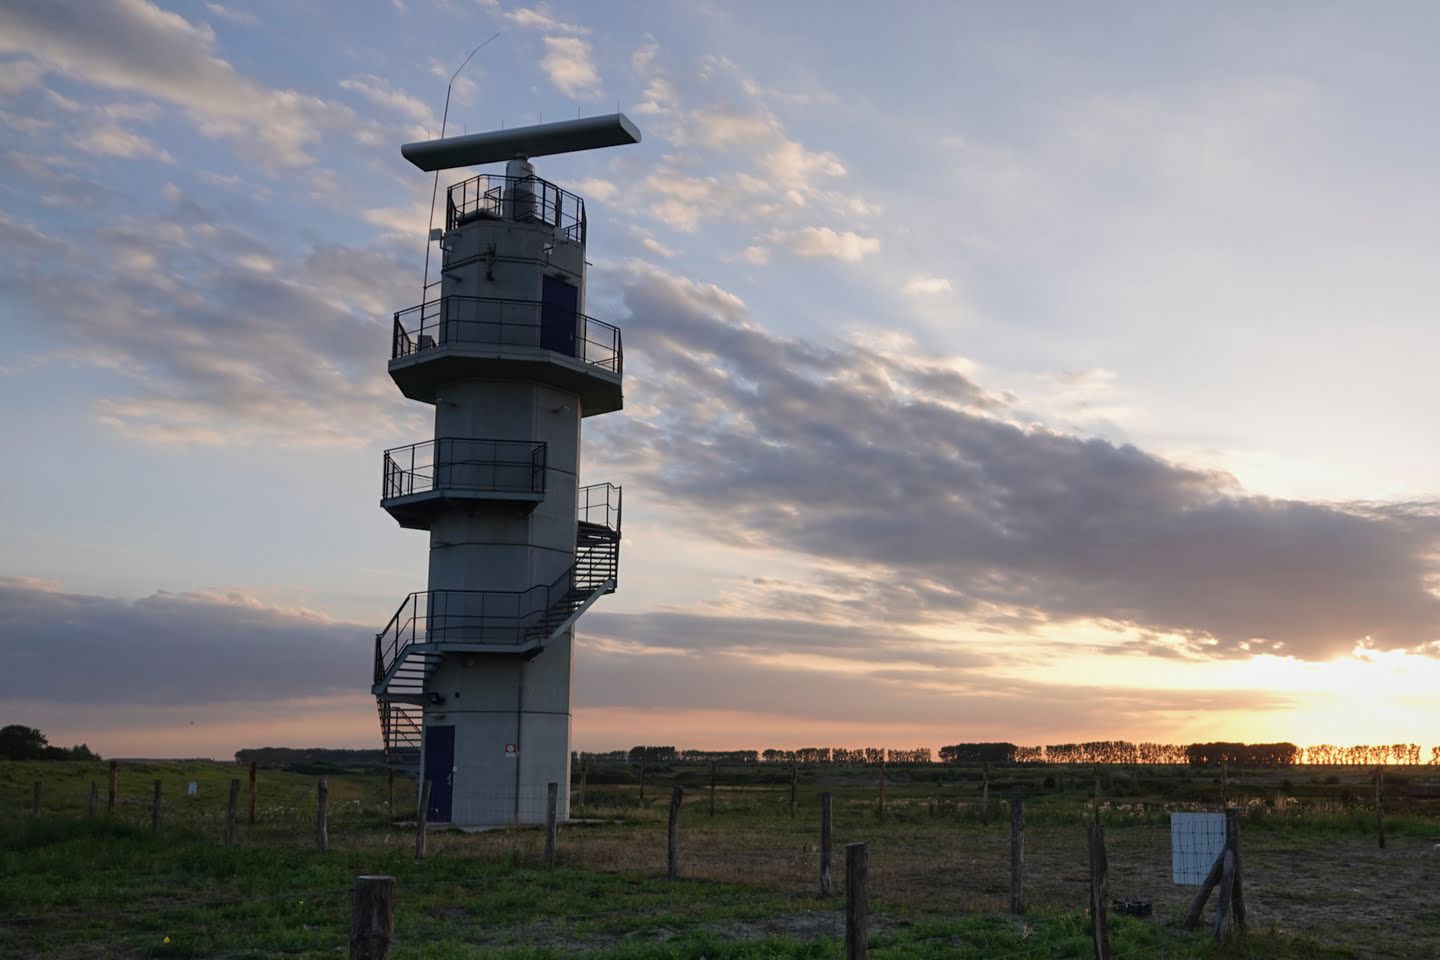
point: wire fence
(931, 858)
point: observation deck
(424, 478)
(454, 338)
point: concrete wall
(493, 699)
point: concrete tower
(472, 675)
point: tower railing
(452, 463)
(516, 618)
(519, 199)
(501, 321)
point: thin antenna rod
(435, 187)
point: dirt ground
(1340, 889)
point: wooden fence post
(826, 840)
(794, 783)
(1017, 856)
(422, 814)
(1224, 781)
(1379, 806)
(35, 798)
(155, 810)
(1227, 888)
(672, 856)
(390, 787)
(857, 919)
(372, 918)
(712, 788)
(322, 815)
(985, 795)
(1197, 905)
(94, 802)
(584, 775)
(882, 788)
(252, 793)
(1226, 874)
(114, 788)
(1237, 893)
(642, 780)
(230, 812)
(1097, 793)
(1099, 892)
(552, 795)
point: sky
(1032, 372)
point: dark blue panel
(559, 313)
(440, 771)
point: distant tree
(22, 743)
(978, 753)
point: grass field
(1317, 885)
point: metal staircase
(430, 623)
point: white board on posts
(1196, 842)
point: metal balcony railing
(521, 199)
(502, 466)
(504, 322)
(512, 617)
(599, 504)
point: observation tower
(472, 675)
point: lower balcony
(422, 478)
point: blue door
(440, 771)
(559, 312)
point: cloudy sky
(1034, 372)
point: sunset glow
(1070, 380)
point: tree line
(27, 743)
(1281, 754)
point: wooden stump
(155, 810)
(372, 918)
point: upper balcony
(423, 477)
(455, 338)
(518, 200)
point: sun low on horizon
(1067, 381)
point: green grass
(75, 887)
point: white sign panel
(1196, 841)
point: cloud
(153, 662)
(172, 648)
(568, 63)
(846, 246)
(540, 18)
(112, 140)
(136, 46)
(925, 286)
(756, 255)
(380, 92)
(18, 75)
(216, 336)
(241, 17)
(901, 469)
